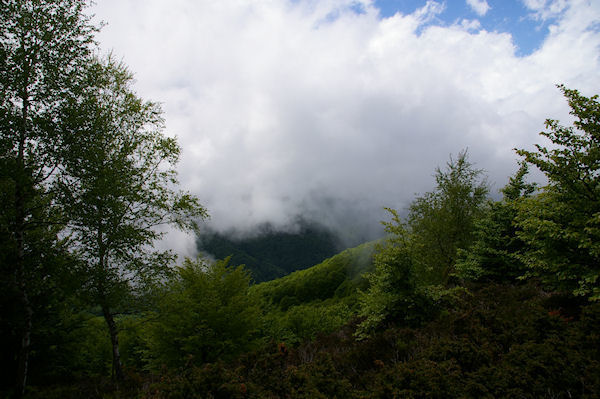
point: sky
(528, 22)
(334, 109)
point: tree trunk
(19, 231)
(23, 359)
(117, 370)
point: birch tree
(118, 184)
(44, 45)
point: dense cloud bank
(311, 107)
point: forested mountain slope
(336, 277)
(269, 253)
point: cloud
(480, 7)
(287, 107)
(428, 12)
(547, 9)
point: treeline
(467, 297)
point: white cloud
(481, 7)
(306, 106)
(546, 9)
(429, 11)
(470, 24)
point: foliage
(48, 272)
(205, 313)
(317, 300)
(498, 341)
(44, 45)
(117, 178)
(495, 252)
(561, 226)
(413, 270)
(84, 350)
(392, 284)
(118, 173)
(442, 221)
(338, 276)
(87, 178)
(301, 323)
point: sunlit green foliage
(205, 313)
(561, 226)
(338, 276)
(392, 284)
(317, 300)
(442, 221)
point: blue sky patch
(509, 16)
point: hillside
(319, 300)
(336, 277)
(269, 253)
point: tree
(43, 46)
(392, 284)
(48, 275)
(442, 221)
(496, 250)
(117, 184)
(205, 313)
(418, 260)
(561, 225)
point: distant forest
(269, 253)
(467, 296)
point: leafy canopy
(495, 252)
(416, 264)
(118, 187)
(442, 221)
(205, 313)
(44, 47)
(561, 226)
(118, 181)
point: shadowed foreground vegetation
(495, 340)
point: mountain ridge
(268, 252)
